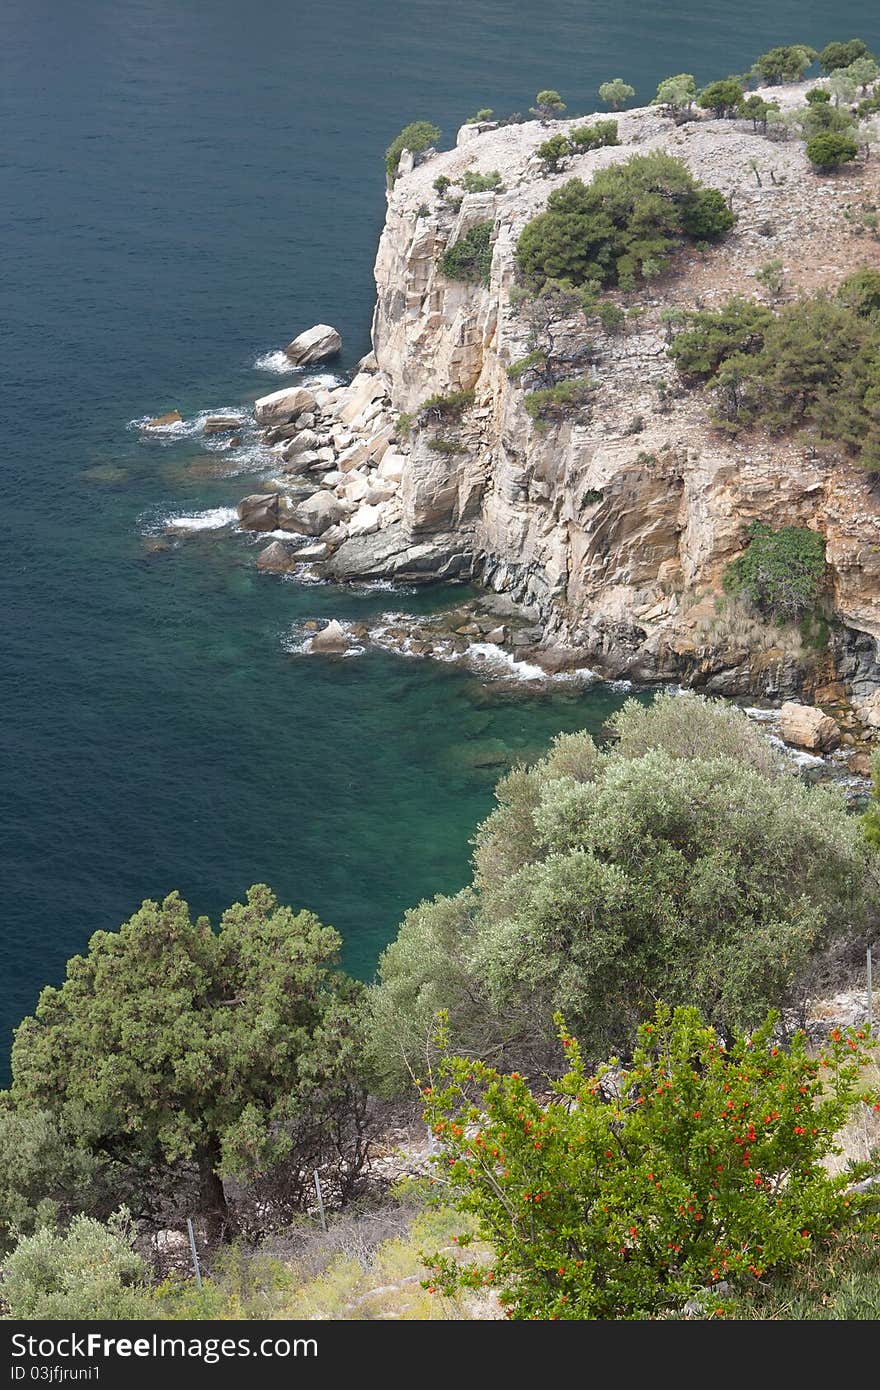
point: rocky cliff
(614, 527)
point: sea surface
(184, 185)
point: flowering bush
(700, 1165)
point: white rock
(283, 405)
(320, 511)
(364, 522)
(315, 345)
(332, 638)
(391, 466)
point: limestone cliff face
(616, 528)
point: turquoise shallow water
(182, 187)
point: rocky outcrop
(611, 527)
(317, 344)
(331, 640)
(223, 424)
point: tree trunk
(213, 1207)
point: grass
(840, 1282)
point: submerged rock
(223, 424)
(173, 417)
(315, 345)
(277, 558)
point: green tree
(171, 1042)
(842, 86)
(723, 97)
(616, 93)
(603, 881)
(676, 94)
(829, 150)
(621, 1197)
(690, 726)
(756, 109)
(861, 291)
(91, 1272)
(548, 105)
(707, 338)
(840, 55)
(416, 137)
(631, 213)
(787, 63)
(782, 572)
(553, 151)
(863, 71)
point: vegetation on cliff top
(623, 225)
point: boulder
(277, 558)
(497, 635)
(804, 726)
(259, 511)
(330, 639)
(321, 511)
(223, 424)
(300, 443)
(309, 554)
(173, 417)
(282, 406)
(868, 710)
(365, 389)
(391, 466)
(379, 491)
(366, 450)
(315, 345)
(364, 522)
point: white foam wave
(187, 429)
(797, 755)
(498, 660)
(277, 362)
(214, 519)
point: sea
(184, 186)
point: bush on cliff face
(416, 137)
(603, 881)
(781, 572)
(470, 258)
(630, 215)
(699, 1169)
(815, 365)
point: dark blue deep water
(184, 184)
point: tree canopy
(171, 1041)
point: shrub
(611, 316)
(785, 64)
(442, 183)
(595, 136)
(616, 93)
(871, 817)
(416, 137)
(548, 105)
(449, 407)
(772, 276)
(782, 572)
(92, 1272)
(485, 113)
(840, 55)
(724, 98)
(830, 149)
(818, 96)
(861, 291)
(605, 881)
(447, 447)
(630, 214)
(559, 401)
(403, 424)
(45, 1176)
(473, 182)
(552, 152)
(263, 1069)
(821, 118)
(470, 258)
(622, 1198)
(689, 726)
